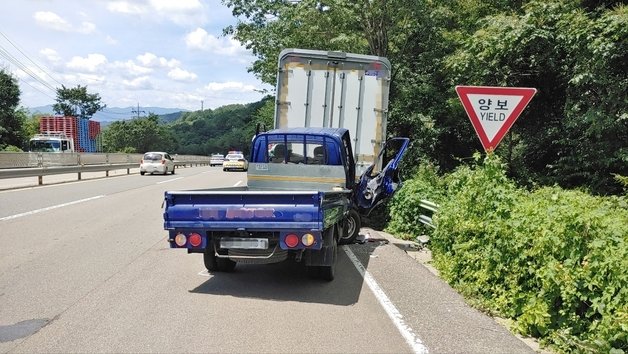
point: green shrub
(404, 206)
(555, 261)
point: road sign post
(493, 110)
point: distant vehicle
(156, 162)
(51, 142)
(235, 162)
(216, 159)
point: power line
(9, 57)
(31, 60)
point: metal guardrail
(25, 164)
(430, 206)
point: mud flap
(326, 256)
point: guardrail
(430, 206)
(26, 164)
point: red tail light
(292, 240)
(141, 162)
(195, 239)
(163, 162)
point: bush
(404, 206)
(552, 260)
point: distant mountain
(112, 114)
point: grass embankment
(553, 261)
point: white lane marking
(49, 208)
(415, 343)
(170, 180)
(237, 184)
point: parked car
(235, 162)
(156, 162)
(216, 159)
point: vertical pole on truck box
(343, 98)
(358, 123)
(325, 105)
(308, 97)
(333, 97)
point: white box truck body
(339, 90)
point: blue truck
(311, 179)
(295, 206)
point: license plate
(244, 243)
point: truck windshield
(45, 146)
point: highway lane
(98, 276)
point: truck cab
(322, 159)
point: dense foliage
(218, 131)
(552, 260)
(11, 117)
(574, 52)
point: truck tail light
(292, 240)
(195, 239)
(180, 240)
(307, 240)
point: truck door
(376, 186)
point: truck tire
(215, 264)
(354, 223)
(210, 260)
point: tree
(138, 135)
(11, 118)
(77, 102)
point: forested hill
(217, 131)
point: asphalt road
(85, 267)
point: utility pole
(138, 111)
(202, 105)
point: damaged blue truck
(310, 180)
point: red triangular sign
(493, 110)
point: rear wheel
(354, 223)
(173, 168)
(142, 173)
(210, 260)
(216, 264)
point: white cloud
(176, 6)
(229, 86)
(200, 39)
(86, 28)
(151, 60)
(91, 64)
(52, 21)
(125, 7)
(140, 83)
(181, 12)
(132, 69)
(181, 75)
(51, 55)
(110, 40)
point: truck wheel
(142, 173)
(354, 223)
(210, 260)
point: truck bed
(243, 208)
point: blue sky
(159, 53)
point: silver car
(156, 162)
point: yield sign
(493, 110)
